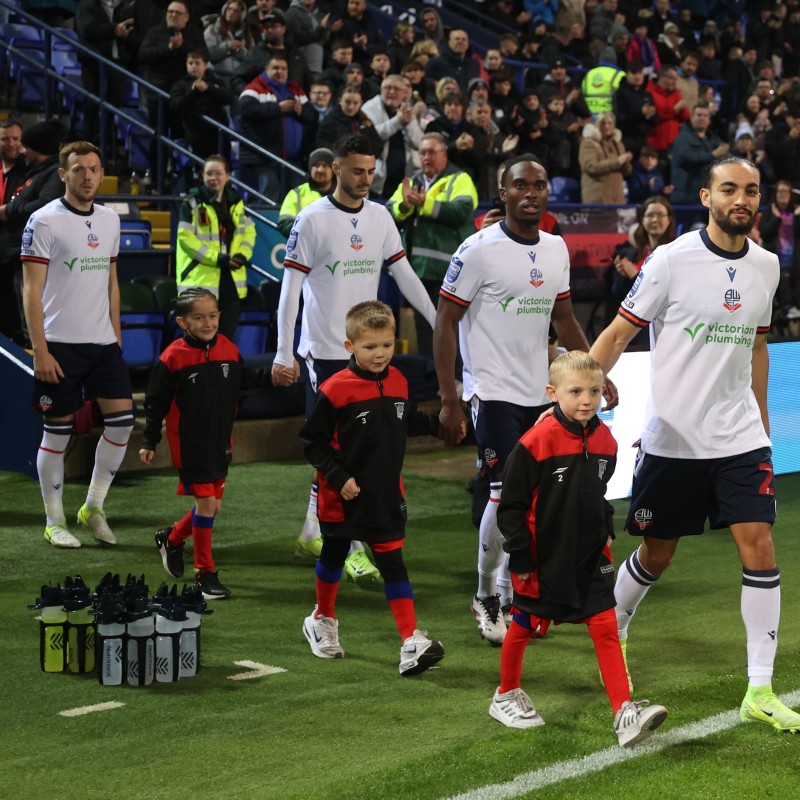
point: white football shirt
(77, 248)
(706, 306)
(341, 252)
(509, 287)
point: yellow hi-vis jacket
(599, 86)
(201, 252)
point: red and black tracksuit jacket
(195, 386)
(556, 521)
(358, 429)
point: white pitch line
(257, 670)
(576, 768)
(81, 710)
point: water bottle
(52, 629)
(169, 624)
(140, 642)
(148, 182)
(191, 600)
(110, 632)
(134, 183)
(80, 631)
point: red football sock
(326, 599)
(514, 644)
(603, 630)
(202, 529)
(182, 530)
(405, 616)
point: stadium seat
(251, 335)
(134, 240)
(142, 325)
(565, 190)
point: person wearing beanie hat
(41, 184)
(320, 183)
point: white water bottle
(191, 600)
(140, 646)
(109, 645)
(169, 624)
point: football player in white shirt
(504, 287)
(335, 254)
(708, 297)
(71, 299)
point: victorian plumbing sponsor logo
(353, 266)
(721, 333)
(526, 305)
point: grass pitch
(352, 729)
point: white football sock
(50, 466)
(310, 529)
(490, 544)
(633, 581)
(761, 612)
(109, 455)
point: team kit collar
(352, 365)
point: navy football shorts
(673, 497)
(316, 372)
(90, 371)
(498, 427)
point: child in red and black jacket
(355, 438)
(558, 526)
(195, 387)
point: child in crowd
(558, 525)
(355, 437)
(195, 387)
(646, 178)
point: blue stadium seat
(134, 240)
(565, 190)
(251, 335)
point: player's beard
(727, 225)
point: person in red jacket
(355, 437)
(195, 387)
(671, 110)
(557, 527)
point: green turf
(354, 729)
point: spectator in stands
(39, 184)
(432, 27)
(201, 93)
(109, 30)
(359, 29)
(542, 11)
(421, 87)
(744, 146)
(687, 83)
(505, 14)
(456, 61)
(739, 69)
(783, 148)
(694, 148)
(215, 242)
(354, 78)
(273, 43)
(529, 122)
(765, 93)
(603, 18)
(256, 17)
(670, 46)
(346, 118)
(557, 82)
(320, 183)
(493, 60)
(270, 108)
(396, 118)
(671, 110)
(561, 138)
(764, 28)
(662, 14)
(504, 97)
(400, 46)
(642, 49)
(753, 119)
(615, 52)
(634, 109)
(341, 57)
(434, 209)
(165, 46)
(604, 162)
(308, 29)
(13, 170)
(380, 65)
(491, 144)
(424, 50)
(656, 226)
(320, 104)
(780, 234)
(555, 44)
(450, 121)
(709, 68)
(646, 178)
(228, 38)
